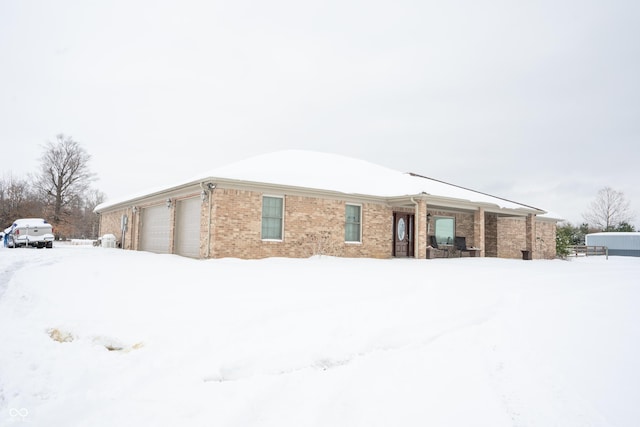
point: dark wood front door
(402, 234)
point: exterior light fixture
(169, 203)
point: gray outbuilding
(619, 243)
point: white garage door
(187, 232)
(154, 229)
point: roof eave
(407, 199)
(448, 202)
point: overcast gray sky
(538, 102)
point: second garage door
(187, 232)
(154, 229)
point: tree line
(59, 191)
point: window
(272, 215)
(445, 230)
(352, 223)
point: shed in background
(619, 243)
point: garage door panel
(187, 232)
(154, 230)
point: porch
(426, 230)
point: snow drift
(104, 337)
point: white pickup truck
(26, 232)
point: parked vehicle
(25, 232)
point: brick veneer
(505, 237)
(511, 237)
(110, 224)
(490, 235)
(545, 246)
(311, 226)
(314, 225)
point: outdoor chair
(434, 244)
(460, 244)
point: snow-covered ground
(105, 337)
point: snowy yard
(105, 337)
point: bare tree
(64, 175)
(88, 227)
(608, 210)
(16, 200)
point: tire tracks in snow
(519, 381)
(8, 271)
(16, 260)
(471, 320)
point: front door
(403, 234)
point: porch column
(478, 230)
(531, 235)
(420, 250)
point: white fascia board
(227, 183)
(148, 198)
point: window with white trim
(445, 230)
(353, 223)
(272, 217)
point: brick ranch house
(299, 203)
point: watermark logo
(21, 413)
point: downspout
(416, 224)
(208, 190)
(134, 220)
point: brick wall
(491, 235)
(235, 213)
(311, 226)
(545, 240)
(110, 223)
(511, 237)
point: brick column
(531, 234)
(420, 251)
(214, 201)
(478, 230)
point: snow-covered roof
(337, 173)
(551, 216)
(616, 233)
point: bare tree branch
(608, 210)
(65, 173)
